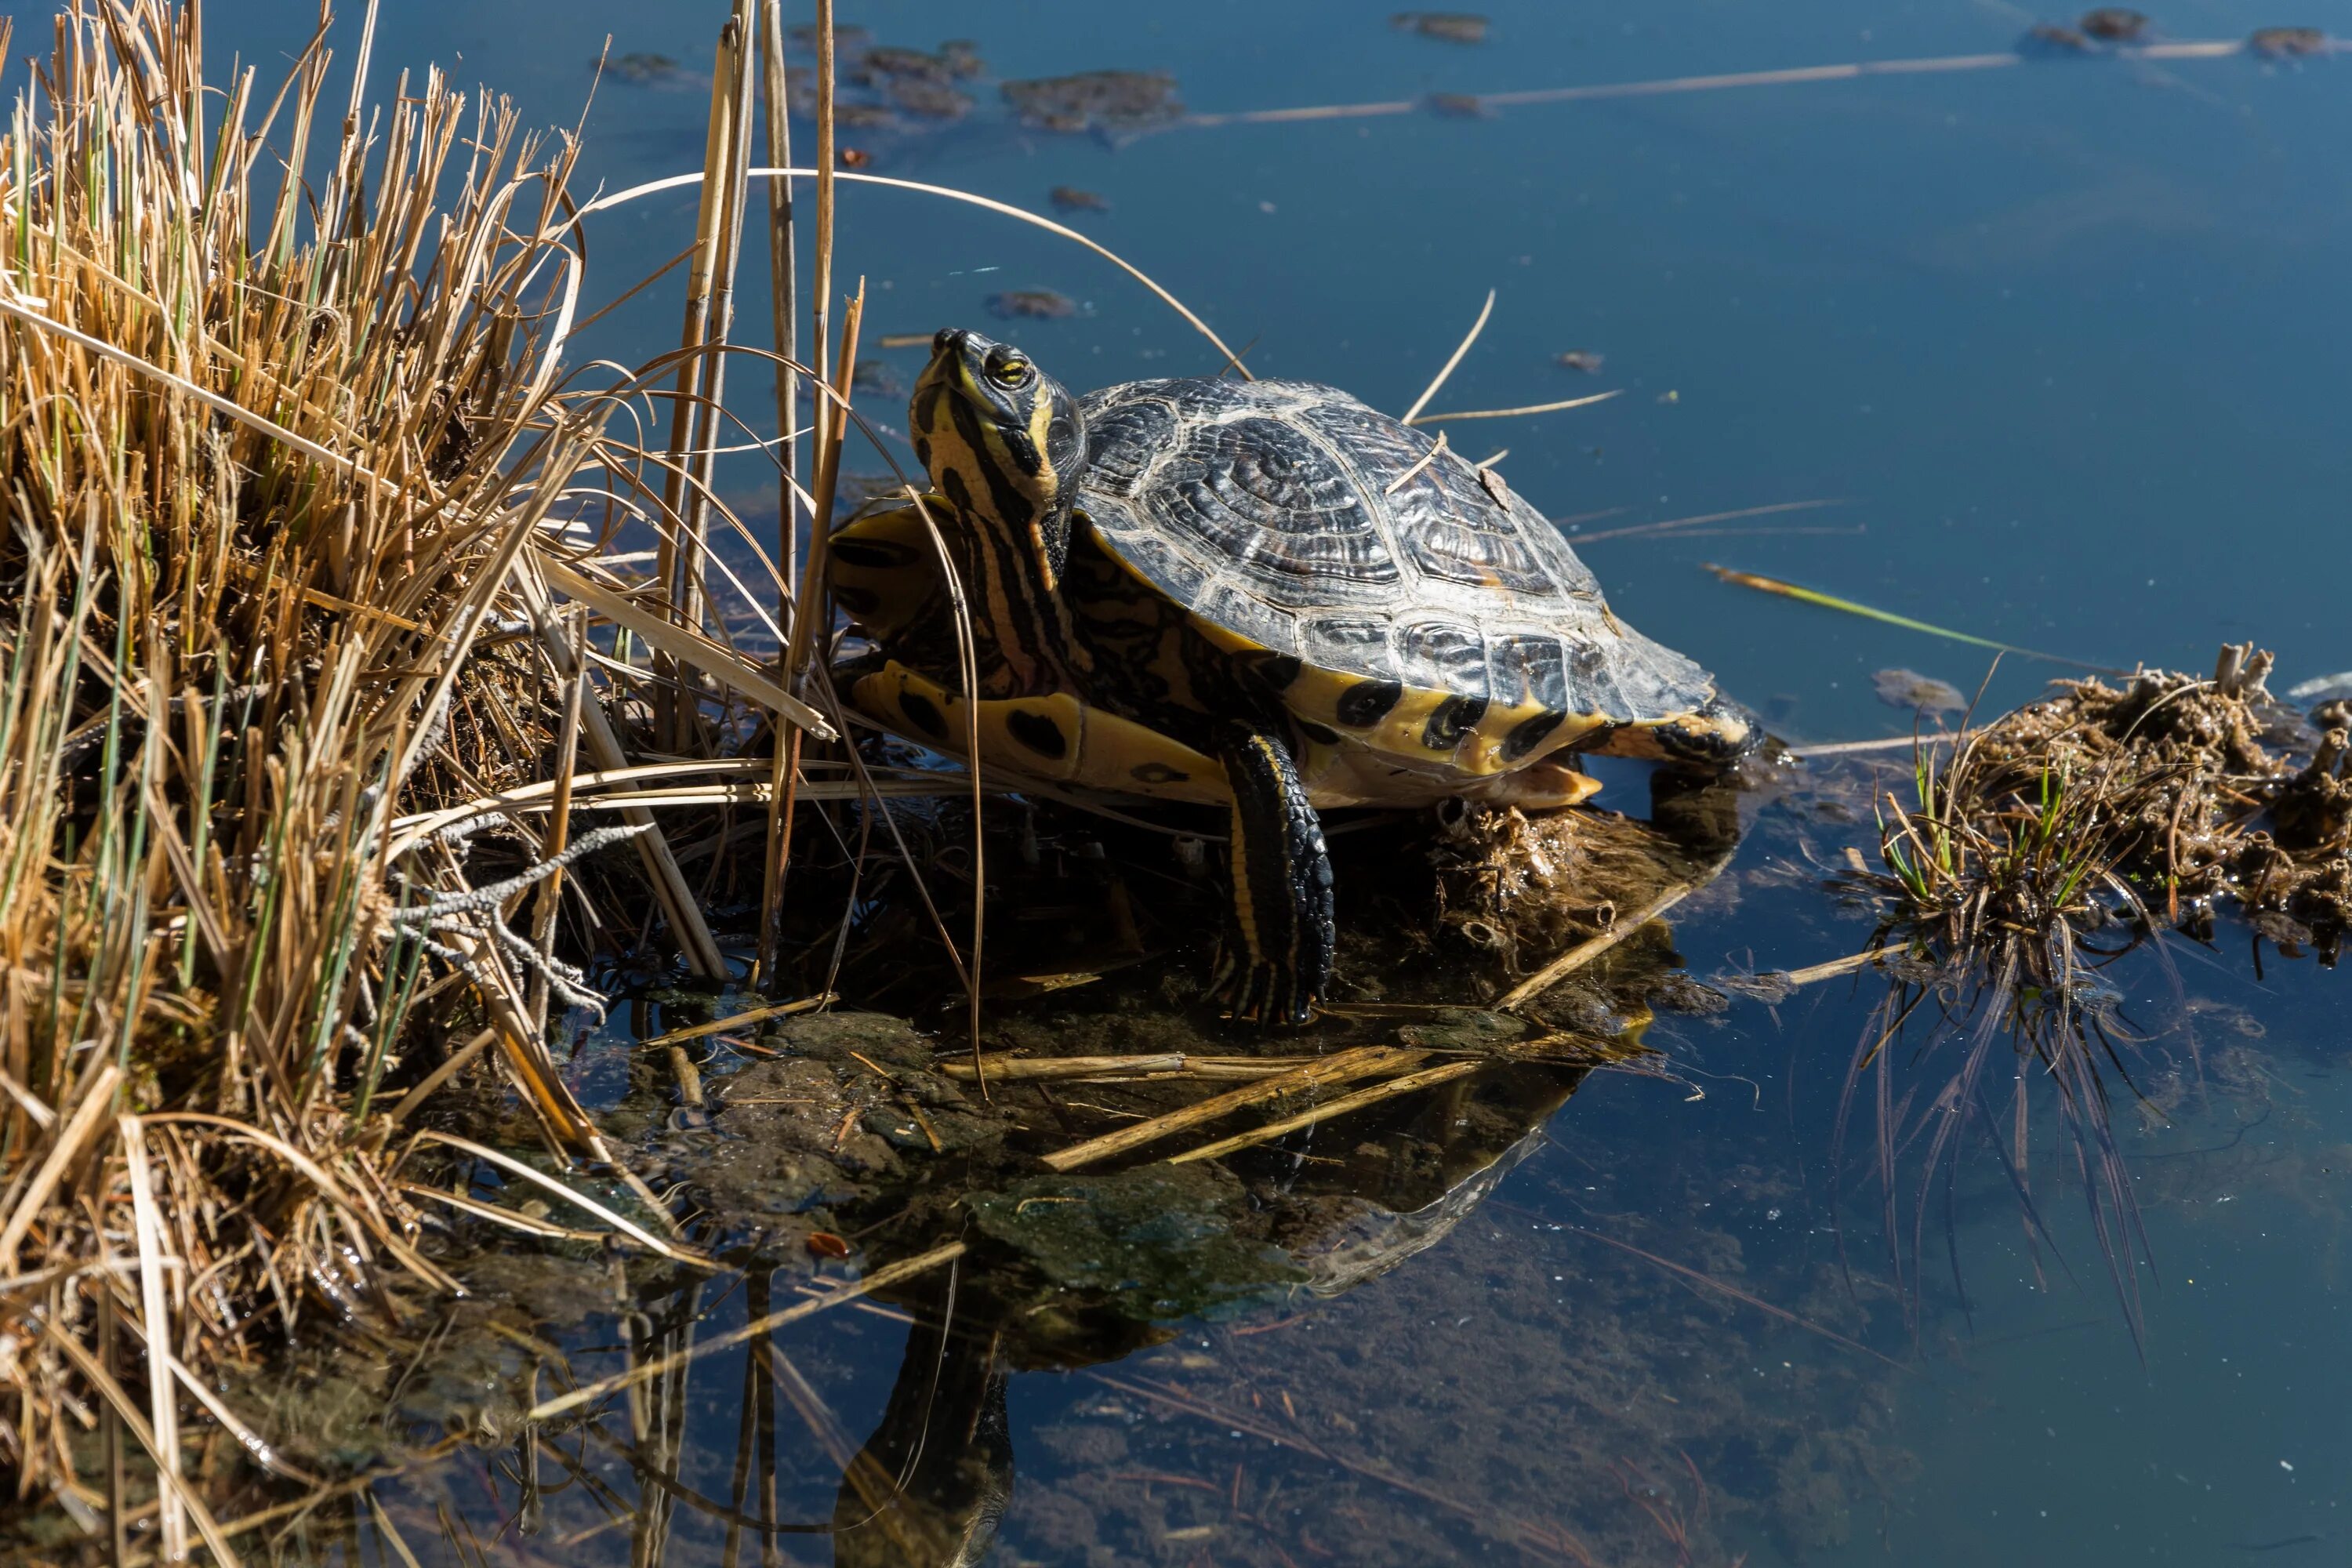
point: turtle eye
(1010, 372)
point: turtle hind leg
(1279, 962)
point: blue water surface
(2055, 350)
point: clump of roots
(1525, 887)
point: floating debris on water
(642, 69)
(1769, 987)
(2113, 25)
(1920, 693)
(1071, 199)
(889, 63)
(2051, 39)
(1448, 26)
(2287, 42)
(929, 98)
(887, 87)
(1114, 101)
(2048, 841)
(875, 378)
(1032, 305)
(846, 40)
(1585, 360)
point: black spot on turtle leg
(923, 714)
(1038, 732)
(1282, 882)
(877, 554)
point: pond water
(2051, 353)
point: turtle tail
(1278, 961)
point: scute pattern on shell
(1264, 507)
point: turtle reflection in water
(1264, 595)
(935, 1477)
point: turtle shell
(1414, 604)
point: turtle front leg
(1281, 961)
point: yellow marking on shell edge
(1482, 748)
(1315, 698)
(1102, 751)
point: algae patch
(1157, 1242)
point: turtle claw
(1253, 989)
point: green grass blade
(1831, 602)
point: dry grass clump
(275, 456)
(2204, 789)
(2174, 790)
(2054, 839)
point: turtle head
(1003, 441)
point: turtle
(1260, 595)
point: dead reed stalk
(276, 475)
(295, 721)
